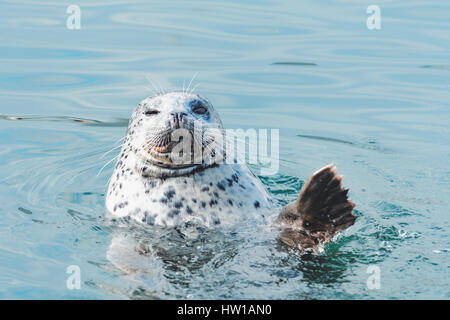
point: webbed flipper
(321, 210)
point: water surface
(375, 103)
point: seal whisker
(152, 84)
(119, 146)
(212, 147)
(152, 90)
(107, 164)
(121, 139)
(193, 88)
(158, 137)
(160, 90)
(190, 82)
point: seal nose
(178, 119)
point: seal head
(175, 134)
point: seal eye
(198, 107)
(151, 112)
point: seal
(172, 170)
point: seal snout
(178, 120)
(163, 141)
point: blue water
(376, 103)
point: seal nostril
(178, 114)
(178, 118)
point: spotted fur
(219, 194)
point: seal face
(158, 183)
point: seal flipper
(321, 210)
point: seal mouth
(166, 148)
(157, 161)
(162, 149)
(163, 155)
(181, 147)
